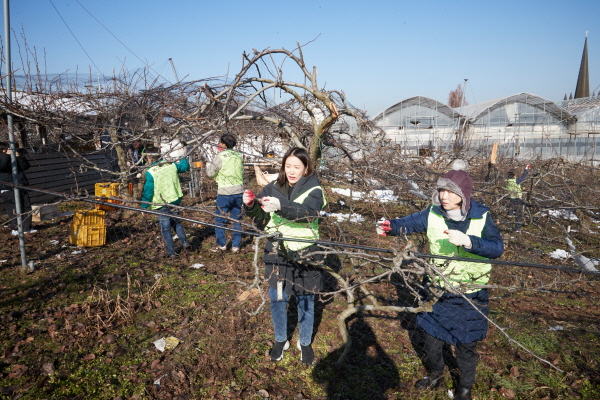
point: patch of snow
(381, 195)
(556, 328)
(564, 214)
(347, 217)
(346, 192)
(559, 254)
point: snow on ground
(564, 214)
(559, 254)
(381, 195)
(347, 217)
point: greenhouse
(524, 125)
(420, 123)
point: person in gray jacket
(227, 168)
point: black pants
(466, 357)
(11, 209)
(514, 213)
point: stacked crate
(107, 189)
(88, 228)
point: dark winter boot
(277, 350)
(307, 356)
(463, 393)
(429, 382)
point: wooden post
(494, 155)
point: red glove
(248, 197)
(383, 227)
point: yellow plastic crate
(88, 217)
(107, 189)
(88, 235)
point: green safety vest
(166, 184)
(292, 229)
(514, 189)
(231, 171)
(457, 271)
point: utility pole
(11, 136)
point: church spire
(583, 80)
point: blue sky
(377, 52)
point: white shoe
(32, 231)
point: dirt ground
(83, 325)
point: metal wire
(318, 242)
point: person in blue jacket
(162, 188)
(456, 225)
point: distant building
(524, 125)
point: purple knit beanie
(458, 182)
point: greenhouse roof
(419, 101)
(42, 101)
(582, 105)
(475, 111)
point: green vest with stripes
(457, 271)
(298, 230)
(514, 189)
(231, 171)
(166, 184)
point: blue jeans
(166, 223)
(306, 316)
(232, 205)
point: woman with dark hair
(291, 204)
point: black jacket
(300, 277)
(6, 170)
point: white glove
(458, 238)
(270, 204)
(248, 197)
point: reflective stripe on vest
(457, 271)
(514, 189)
(166, 184)
(299, 230)
(230, 173)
